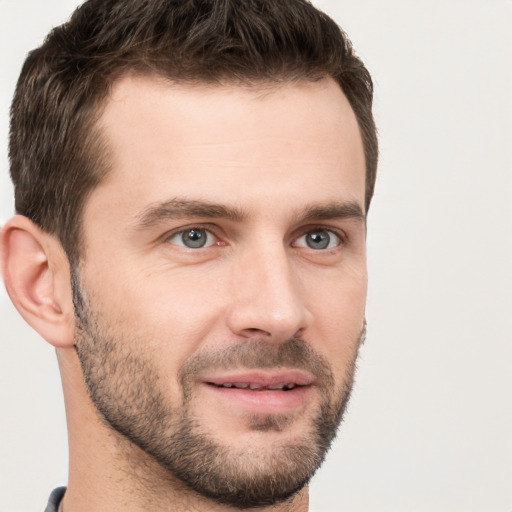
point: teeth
(245, 385)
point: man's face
(222, 287)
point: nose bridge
(268, 296)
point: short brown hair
(56, 154)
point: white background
(430, 423)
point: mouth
(261, 392)
(256, 387)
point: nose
(267, 296)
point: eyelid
(338, 233)
(182, 229)
(213, 231)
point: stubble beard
(129, 397)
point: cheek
(167, 312)
(338, 297)
(338, 309)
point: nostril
(254, 330)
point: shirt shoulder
(54, 500)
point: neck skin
(107, 472)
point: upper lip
(262, 378)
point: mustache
(293, 353)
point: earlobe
(36, 275)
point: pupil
(318, 240)
(194, 238)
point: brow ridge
(178, 208)
(333, 210)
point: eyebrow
(333, 210)
(185, 208)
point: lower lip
(262, 401)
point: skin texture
(158, 321)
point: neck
(108, 472)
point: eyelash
(338, 234)
(341, 238)
(196, 227)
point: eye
(193, 238)
(318, 239)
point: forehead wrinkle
(178, 208)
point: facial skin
(226, 246)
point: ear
(36, 275)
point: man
(192, 181)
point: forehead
(172, 140)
